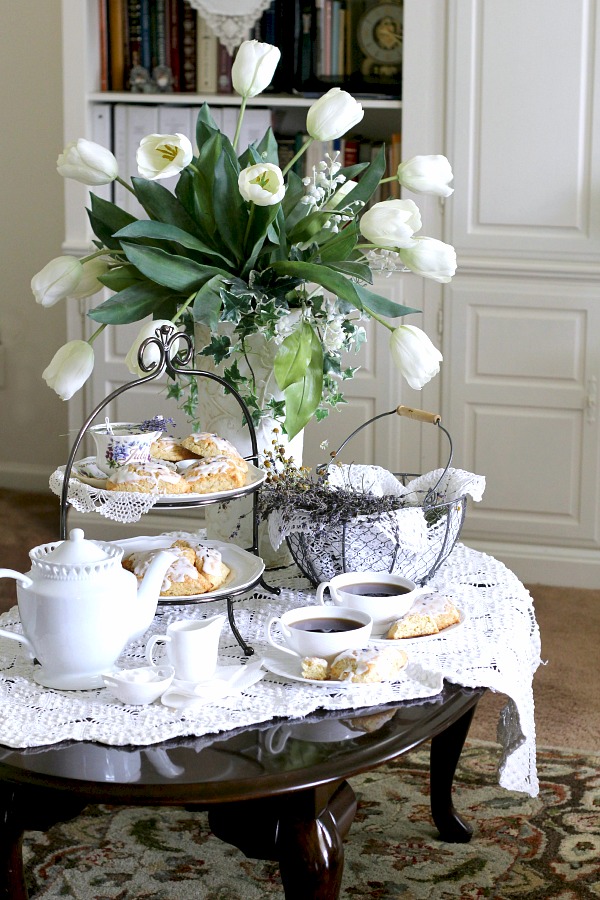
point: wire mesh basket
(379, 543)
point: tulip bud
(163, 155)
(391, 223)
(88, 163)
(414, 355)
(262, 184)
(332, 115)
(88, 283)
(430, 258)
(151, 352)
(427, 175)
(58, 279)
(70, 368)
(253, 67)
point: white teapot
(79, 608)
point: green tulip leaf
(230, 212)
(369, 181)
(383, 306)
(267, 148)
(159, 231)
(205, 125)
(120, 277)
(294, 193)
(339, 246)
(303, 397)
(329, 279)
(162, 205)
(206, 307)
(106, 218)
(354, 269)
(294, 356)
(259, 224)
(130, 305)
(308, 227)
(176, 272)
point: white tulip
(58, 279)
(88, 283)
(427, 175)
(430, 258)
(262, 184)
(414, 355)
(163, 155)
(253, 67)
(151, 352)
(391, 223)
(88, 163)
(332, 115)
(70, 368)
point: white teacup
(382, 596)
(321, 631)
(123, 444)
(192, 647)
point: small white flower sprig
(245, 242)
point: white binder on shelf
(102, 134)
(176, 120)
(131, 124)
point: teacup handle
(286, 631)
(321, 590)
(154, 640)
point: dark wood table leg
(446, 748)
(12, 880)
(303, 831)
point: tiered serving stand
(175, 352)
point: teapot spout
(149, 592)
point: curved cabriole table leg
(12, 882)
(446, 748)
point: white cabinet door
(523, 364)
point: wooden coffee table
(259, 796)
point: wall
(34, 419)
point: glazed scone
(315, 668)
(428, 615)
(182, 578)
(147, 478)
(220, 473)
(170, 449)
(208, 561)
(207, 446)
(368, 666)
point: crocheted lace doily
(498, 647)
(231, 20)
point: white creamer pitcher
(79, 608)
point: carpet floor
(545, 848)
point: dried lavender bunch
(289, 488)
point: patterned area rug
(547, 848)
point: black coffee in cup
(326, 626)
(374, 589)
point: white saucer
(446, 633)
(246, 568)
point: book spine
(134, 31)
(188, 49)
(160, 33)
(103, 38)
(224, 62)
(145, 41)
(173, 37)
(116, 36)
(207, 44)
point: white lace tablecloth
(497, 646)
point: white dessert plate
(380, 641)
(86, 471)
(246, 568)
(290, 668)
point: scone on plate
(207, 446)
(368, 666)
(315, 668)
(428, 615)
(219, 473)
(170, 449)
(147, 478)
(197, 569)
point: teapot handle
(25, 580)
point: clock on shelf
(379, 38)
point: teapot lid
(76, 551)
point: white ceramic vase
(221, 414)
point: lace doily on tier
(497, 647)
(115, 505)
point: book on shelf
(318, 40)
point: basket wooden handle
(419, 414)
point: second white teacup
(320, 631)
(192, 647)
(382, 596)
